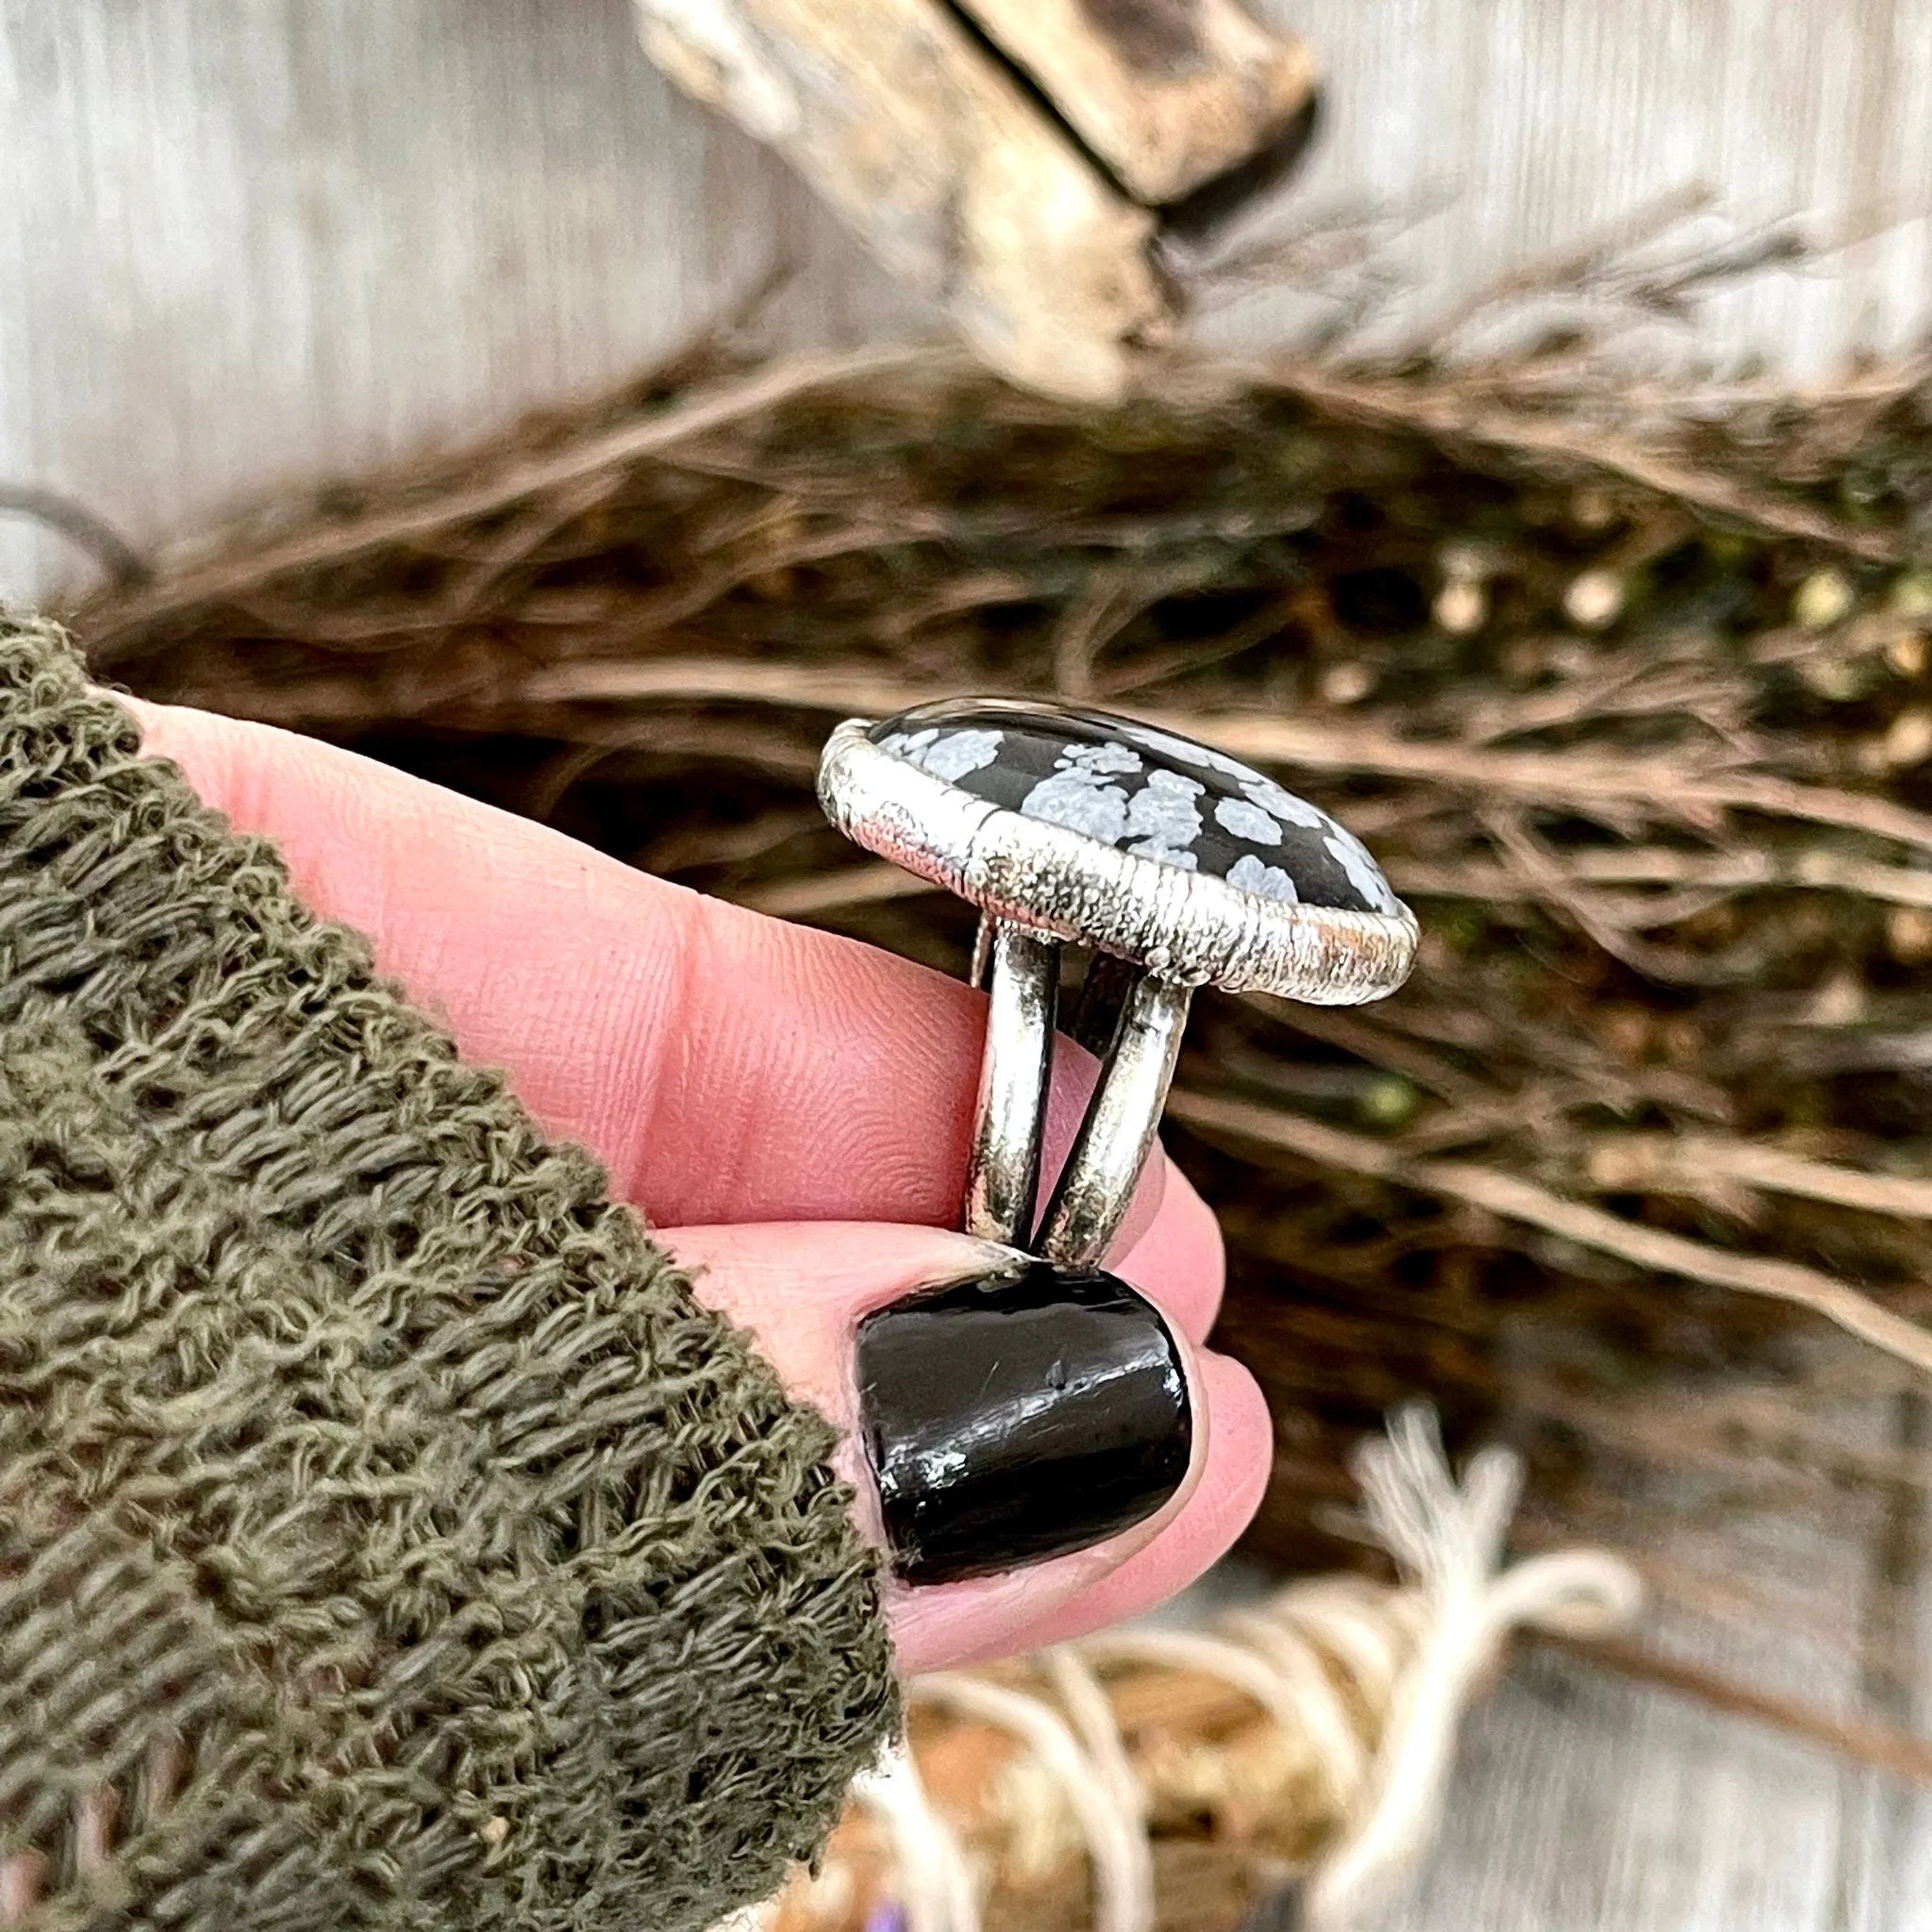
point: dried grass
(1631, 690)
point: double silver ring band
(1019, 973)
(1153, 929)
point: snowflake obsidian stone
(1182, 866)
(1078, 826)
(1144, 792)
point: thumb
(1014, 1431)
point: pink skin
(761, 1091)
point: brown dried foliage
(1630, 692)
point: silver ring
(1175, 865)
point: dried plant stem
(1456, 419)
(1667, 788)
(1663, 865)
(1490, 885)
(1693, 1163)
(1515, 1199)
(701, 413)
(820, 893)
(122, 564)
(1885, 1747)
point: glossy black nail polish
(1017, 1415)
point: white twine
(1448, 1542)
(936, 1889)
(1129, 1892)
(1108, 1809)
(1413, 1655)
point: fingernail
(1019, 1414)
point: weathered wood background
(249, 242)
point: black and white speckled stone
(1144, 792)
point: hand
(789, 1109)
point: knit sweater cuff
(383, 1526)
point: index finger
(723, 1065)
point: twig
(1698, 1432)
(1355, 1033)
(125, 565)
(1112, 600)
(1664, 865)
(700, 413)
(818, 893)
(1692, 1163)
(1662, 786)
(1544, 873)
(1514, 1199)
(1883, 1746)
(1451, 419)
(1564, 271)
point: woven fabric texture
(387, 1537)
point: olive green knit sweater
(386, 1536)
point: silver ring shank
(1021, 973)
(1098, 1181)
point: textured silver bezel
(1189, 928)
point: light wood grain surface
(245, 242)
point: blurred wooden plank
(247, 242)
(1544, 121)
(1589, 1803)
(244, 241)
(1168, 93)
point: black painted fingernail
(1017, 1415)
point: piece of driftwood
(1170, 94)
(934, 155)
(1024, 207)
